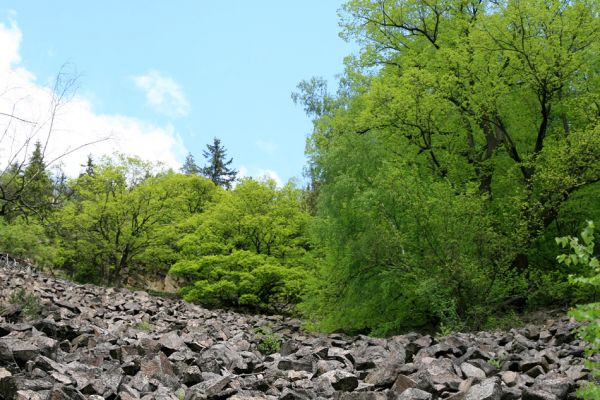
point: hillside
(93, 342)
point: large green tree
(460, 133)
(122, 219)
(248, 249)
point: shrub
(582, 253)
(29, 302)
(268, 342)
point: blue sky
(192, 69)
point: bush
(29, 302)
(144, 326)
(582, 253)
(26, 240)
(242, 278)
(268, 342)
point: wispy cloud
(76, 122)
(163, 94)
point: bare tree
(18, 135)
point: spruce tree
(37, 184)
(189, 166)
(218, 170)
(89, 165)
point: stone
(403, 383)
(87, 345)
(287, 364)
(489, 389)
(535, 371)
(212, 386)
(4, 373)
(383, 376)
(192, 375)
(560, 386)
(510, 378)
(531, 363)
(414, 394)
(472, 371)
(538, 394)
(171, 342)
(341, 380)
(27, 395)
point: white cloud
(266, 146)
(163, 94)
(270, 174)
(259, 173)
(75, 123)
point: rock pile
(93, 343)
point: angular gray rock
(92, 343)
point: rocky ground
(92, 343)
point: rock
(535, 371)
(403, 383)
(27, 395)
(472, 371)
(171, 342)
(341, 380)
(560, 386)
(211, 387)
(192, 375)
(289, 394)
(538, 394)
(383, 395)
(289, 347)
(383, 376)
(488, 389)
(510, 378)
(89, 344)
(531, 363)
(296, 365)
(511, 393)
(414, 394)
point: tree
(248, 249)
(217, 169)
(37, 195)
(120, 215)
(89, 165)
(189, 166)
(19, 132)
(482, 120)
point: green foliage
(268, 342)
(29, 302)
(26, 188)
(505, 321)
(248, 249)
(123, 220)
(458, 137)
(26, 240)
(582, 253)
(144, 326)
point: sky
(159, 79)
